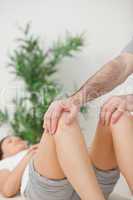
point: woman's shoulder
(11, 162)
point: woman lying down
(62, 168)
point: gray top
(129, 47)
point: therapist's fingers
(119, 112)
(48, 116)
(47, 120)
(55, 119)
(72, 114)
(108, 114)
(45, 126)
(116, 116)
(102, 115)
(103, 111)
(108, 108)
(107, 117)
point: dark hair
(1, 151)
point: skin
(116, 152)
(59, 159)
(118, 147)
(10, 181)
(73, 162)
(115, 107)
(108, 77)
(123, 145)
(13, 145)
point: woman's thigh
(102, 150)
(122, 133)
(40, 187)
(46, 161)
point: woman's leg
(65, 154)
(102, 150)
(113, 146)
(104, 160)
(122, 133)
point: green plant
(3, 116)
(36, 68)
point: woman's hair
(1, 151)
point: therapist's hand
(53, 114)
(115, 107)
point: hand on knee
(63, 125)
(125, 119)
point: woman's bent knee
(125, 119)
(63, 121)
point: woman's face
(13, 145)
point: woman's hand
(114, 108)
(32, 151)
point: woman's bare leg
(102, 150)
(65, 154)
(122, 133)
(113, 146)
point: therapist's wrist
(77, 99)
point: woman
(61, 167)
(15, 156)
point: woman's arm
(13, 179)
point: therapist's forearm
(108, 77)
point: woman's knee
(63, 124)
(125, 119)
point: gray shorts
(43, 188)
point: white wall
(108, 26)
